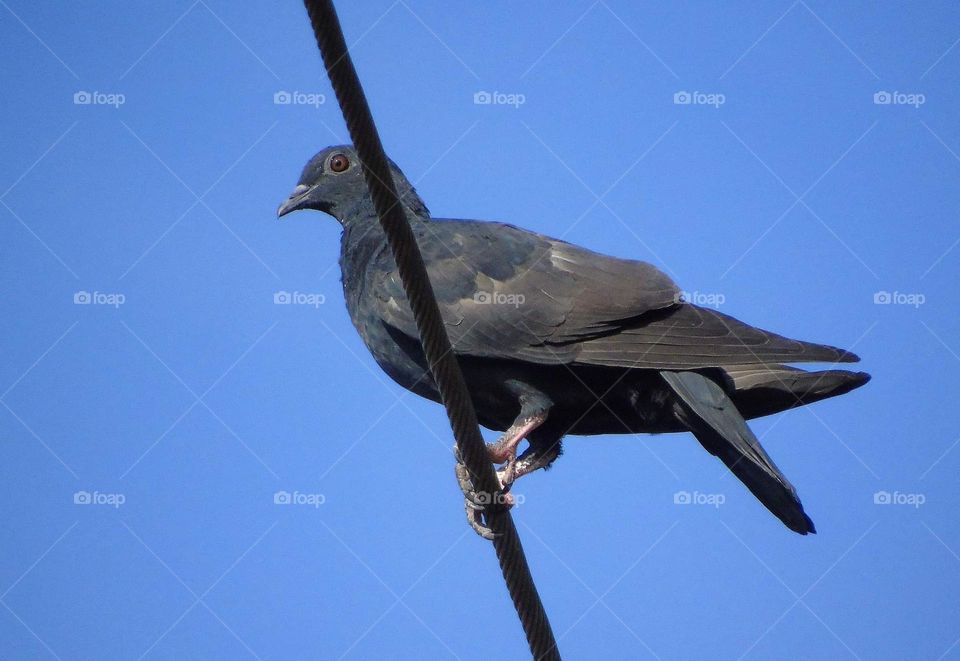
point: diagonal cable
(433, 335)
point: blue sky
(797, 164)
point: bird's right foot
(504, 449)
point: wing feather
(508, 293)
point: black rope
(433, 335)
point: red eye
(339, 163)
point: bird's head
(333, 182)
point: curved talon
(507, 475)
(473, 518)
(477, 503)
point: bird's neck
(359, 210)
(364, 241)
(362, 238)
(363, 244)
(362, 234)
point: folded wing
(508, 293)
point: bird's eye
(339, 163)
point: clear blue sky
(178, 399)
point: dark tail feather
(759, 390)
(707, 411)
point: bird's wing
(508, 293)
(722, 431)
(688, 337)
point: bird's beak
(297, 200)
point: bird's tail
(759, 390)
(706, 410)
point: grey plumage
(578, 342)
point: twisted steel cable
(433, 335)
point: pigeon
(555, 339)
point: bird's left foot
(477, 503)
(503, 451)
